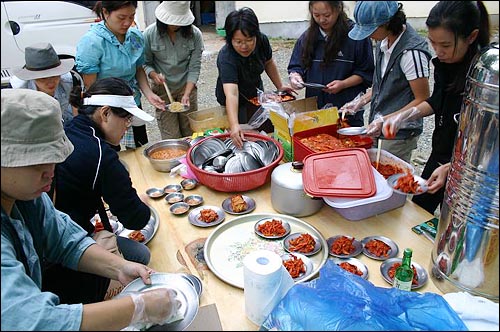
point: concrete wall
(290, 19)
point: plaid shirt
(128, 139)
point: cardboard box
(304, 115)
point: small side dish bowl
(172, 188)
(175, 197)
(193, 200)
(179, 208)
(155, 192)
(189, 184)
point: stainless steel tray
(186, 294)
(230, 242)
(148, 231)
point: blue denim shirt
(24, 306)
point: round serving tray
(231, 241)
(148, 231)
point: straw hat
(175, 13)
(42, 61)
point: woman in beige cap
(173, 48)
(45, 72)
(35, 233)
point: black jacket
(93, 173)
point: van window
(24, 23)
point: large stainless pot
(287, 191)
(465, 254)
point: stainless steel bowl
(165, 165)
(174, 197)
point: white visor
(125, 102)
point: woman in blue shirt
(113, 48)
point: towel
(477, 313)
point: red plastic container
(339, 173)
(300, 151)
(236, 182)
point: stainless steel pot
(465, 254)
(287, 191)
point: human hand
(437, 180)
(354, 105)
(156, 101)
(288, 89)
(157, 306)
(157, 78)
(237, 136)
(374, 129)
(185, 100)
(334, 86)
(394, 122)
(130, 271)
(296, 80)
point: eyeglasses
(128, 120)
(239, 42)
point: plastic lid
(384, 191)
(339, 173)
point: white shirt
(414, 63)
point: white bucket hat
(125, 102)
(42, 61)
(175, 13)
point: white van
(61, 23)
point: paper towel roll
(265, 283)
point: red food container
(300, 151)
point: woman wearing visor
(93, 174)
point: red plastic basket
(236, 182)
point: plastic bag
(339, 300)
(270, 102)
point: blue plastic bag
(339, 300)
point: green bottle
(404, 273)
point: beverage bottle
(404, 273)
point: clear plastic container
(360, 208)
(209, 118)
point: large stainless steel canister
(465, 254)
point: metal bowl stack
(165, 165)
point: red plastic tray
(339, 173)
(300, 151)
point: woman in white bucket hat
(173, 48)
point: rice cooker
(287, 191)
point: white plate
(194, 216)
(307, 264)
(186, 294)
(285, 225)
(226, 205)
(286, 244)
(354, 261)
(422, 186)
(358, 247)
(393, 251)
(351, 131)
(422, 276)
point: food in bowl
(304, 243)
(179, 208)
(342, 246)
(137, 236)
(238, 203)
(378, 248)
(388, 170)
(295, 266)
(350, 268)
(208, 215)
(272, 227)
(176, 107)
(168, 153)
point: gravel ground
(282, 50)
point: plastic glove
(403, 119)
(354, 105)
(374, 129)
(296, 81)
(158, 306)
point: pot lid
(339, 173)
(288, 175)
